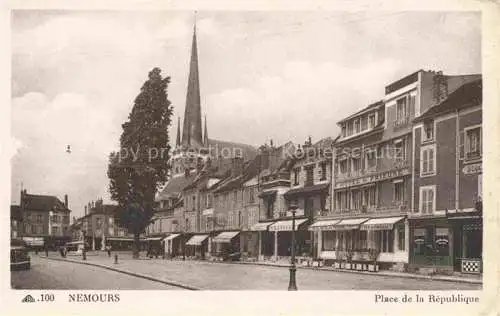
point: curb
(142, 276)
(409, 276)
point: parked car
(19, 257)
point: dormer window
(357, 127)
(344, 130)
(428, 131)
(371, 121)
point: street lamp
(292, 285)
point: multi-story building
(100, 228)
(372, 183)
(446, 222)
(16, 218)
(45, 218)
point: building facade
(446, 222)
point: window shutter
(425, 161)
(423, 201)
(461, 144)
(431, 205)
(431, 160)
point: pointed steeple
(178, 140)
(191, 129)
(205, 133)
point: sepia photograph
(212, 150)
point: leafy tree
(140, 167)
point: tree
(141, 166)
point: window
(323, 171)
(110, 220)
(55, 230)
(39, 218)
(370, 159)
(343, 130)
(399, 150)
(401, 238)
(427, 199)
(329, 240)
(369, 196)
(308, 206)
(428, 134)
(209, 200)
(428, 160)
(270, 208)
(356, 199)
(357, 128)
(111, 231)
(363, 239)
(384, 239)
(343, 166)
(39, 229)
(193, 206)
(419, 241)
(441, 242)
(98, 223)
(411, 102)
(473, 143)
(56, 218)
(349, 128)
(356, 165)
(296, 172)
(480, 187)
(401, 109)
(399, 191)
(371, 121)
(341, 200)
(309, 175)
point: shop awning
(286, 225)
(383, 223)
(121, 239)
(267, 194)
(154, 238)
(196, 240)
(225, 237)
(324, 225)
(349, 224)
(308, 189)
(261, 226)
(173, 236)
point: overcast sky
(279, 75)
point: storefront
(197, 246)
(265, 240)
(283, 239)
(226, 243)
(172, 245)
(431, 243)
(468, 241)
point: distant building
(46, 218)
(16, 221)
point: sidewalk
(207, 275)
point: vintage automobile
(19, 257)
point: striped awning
(324, 225)
(172, 236)
(349, 224)
(225, 237)
(261, 226)
(286, 225)
(196, 240)
(383, 223)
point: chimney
(236, 166)
(66, 200)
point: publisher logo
(28, 299)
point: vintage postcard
(215, 159)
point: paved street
(225, 276)
(45, 274)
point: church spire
(205, 133)
(191, 129)
(178, 140)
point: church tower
(190, 144)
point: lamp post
(292, 285)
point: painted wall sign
(473, 169)
(373, 178)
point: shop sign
(373, 178)
(473, 169)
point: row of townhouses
(402, 180)
(404, 177)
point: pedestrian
(61, 251)
(46, 251)
(108, 249)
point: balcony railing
(395, 164)
(395, 206)
(401, 122)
